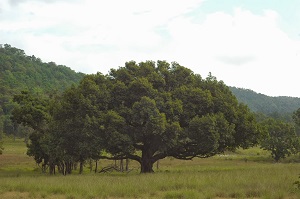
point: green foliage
(34, 112)
(296, 117)
(204, 132)
(74, 120)
(22, 72)
(280, 139)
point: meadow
(244, 174)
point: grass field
(244, 174)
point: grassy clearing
(240, 175)
(14, 159)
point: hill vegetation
(276, 107)
(19, 71)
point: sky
(251, 44)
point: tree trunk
(44, 167)
(146, 166)
(91, 166)
(52, 169)
(75, 166)
(121, 165)
(81, 167)
(276, 156)
(127, 164)
(68, 167)
(62, 168)
(146, 162)
(96, 166)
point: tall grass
(244, 180)
(227, 176)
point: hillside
(21, 72)
(281, 107)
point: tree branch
(134, 157)
(121, 157)
(158, 156)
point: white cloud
(243, 49)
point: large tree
(148, 111)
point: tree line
(143, 112)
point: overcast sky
(253, 44)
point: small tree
(33, 111)
(280, 139)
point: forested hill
(19, 71)
(271, 106)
